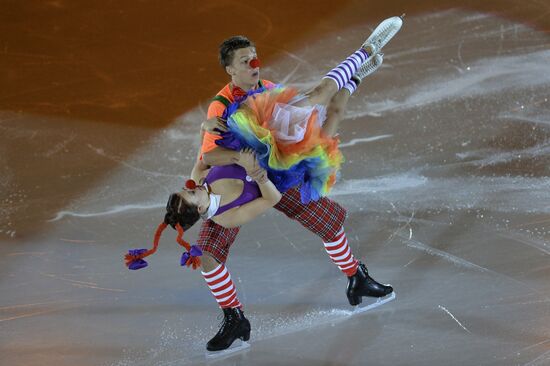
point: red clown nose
(190, 184)
(254, 63)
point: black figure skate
(234, 326)
(361, 284)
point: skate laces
(226, 322)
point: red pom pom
(254, 63)
(190, 184)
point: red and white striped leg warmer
(340, 253)
(220, 284)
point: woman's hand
(247, 159)
(214, 125)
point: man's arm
(200, 168)
(212, 154)
(220, 156)
(215, 111)
(199, 171)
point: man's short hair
(230, 45)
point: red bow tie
(238, 92)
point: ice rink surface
(446, 183)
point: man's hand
(247, 159)
(214, 125)
(259, 175)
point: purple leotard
(251, 191)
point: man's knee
(333, 219)
(208, 261)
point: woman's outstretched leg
(338, 77)
(335, 112)
(338, 104)
(341, 74)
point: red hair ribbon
(134, 259)
(192, 256)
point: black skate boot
(361, 284)
(234, 326)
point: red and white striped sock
(340, 253)
(220, 284)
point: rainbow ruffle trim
(310, 163)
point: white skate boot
(382, 34)
(370, 66)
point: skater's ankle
(351, 274)
(369, 49)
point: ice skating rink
(446, 181)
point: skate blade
(236, 347)
(379, 302)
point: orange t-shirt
(216, 109)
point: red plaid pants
(324, 218)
